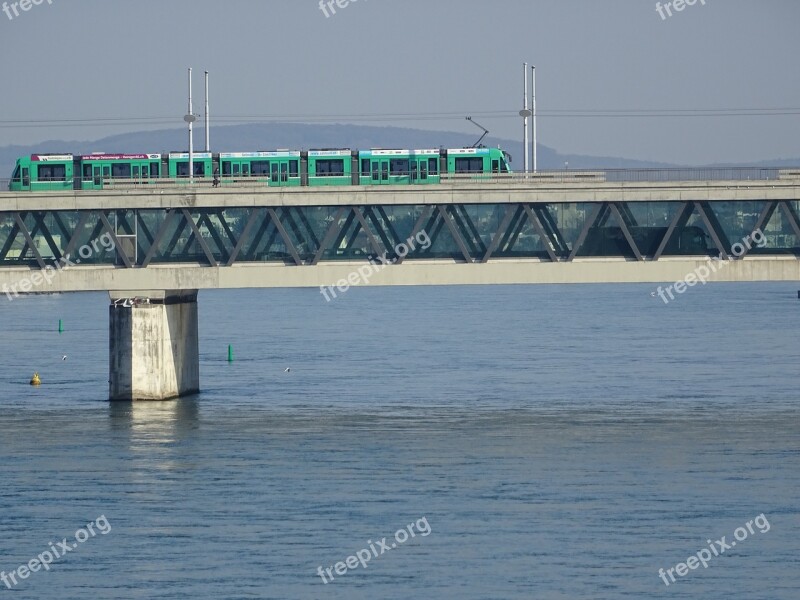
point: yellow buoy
(35, 380)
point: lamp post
(190, 119)
(535, 148)
(208, 120)
(525, 113)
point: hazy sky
(437, 60)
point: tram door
(279, 172)
(380, 171)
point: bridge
(152, 247)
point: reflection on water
(156, 430)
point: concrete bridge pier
(153, 345)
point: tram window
(365, 167)
(294, 168)
(246, 170)
(330, 168)
(399, 166)
(154, 171)
(236, 168)
(226, 168)
(121, 171)
(259, 167)
(495, 166)
(52, 173)
(106, 172)
(199, 170)
(87, 172)
(136, 172)
(433, 166)
(469, 165)
(423, 170)
(15, 176)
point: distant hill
(299, 136)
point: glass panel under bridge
(460, 232)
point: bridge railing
(543, 177)
(675, 175)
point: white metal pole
(191, 133)
(208, 120)
(535, 148)
(525, 119)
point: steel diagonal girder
(205, 220)
(311, 234)
(142, 226)
(272, 236)
(454, 232)
(463, 222)
(373, 241)
(96, 231)
(262, 229)
(763, 218)
(625, 210)
(121, 218)
(603, 217)
(792, 216)
(540, 230)
(718, 228)
(424, 216)
(65, 233)
(76, 234)
(501, 231)
(181, 225)
(515, 230)
(39, 228)
(200, 239)
(585, 231)
(389, 244)
(29, 241)
(615, 210)
(330, 235)
(220, 213)
(117, 246)
(245, 234)
(348, 223)
(186, 252)
(162, 231)
(680, 219)
(480, 244)
(516, 227)
(551, 228)
(434, 225)
(285, 236)
(387, 224)
(712, 230)
(286, 213)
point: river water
(558, 442)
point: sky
(715, 82)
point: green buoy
(230, 353)
(60, 326)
